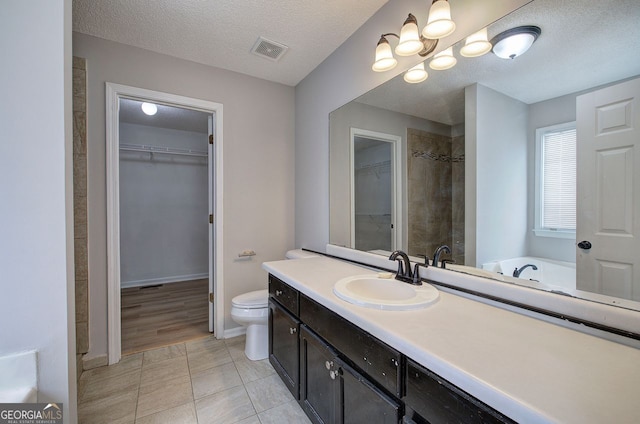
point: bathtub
(550, 272)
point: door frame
(396, 184)
(114, 92)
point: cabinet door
(362, 402)
(319, 379)
(284, 346)
(431, 399)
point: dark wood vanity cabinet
(431, 399)
(341, 374)
(284, 326)
(333, 392)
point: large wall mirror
(475, 168)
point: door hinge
(210, 138)
(210, 297)
(210, 218)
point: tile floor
(201, 381)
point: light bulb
(149, 108)
(439, 23)
(410, 43)
(384, 57)
(443, 60)
(416, 74)
(476, 44)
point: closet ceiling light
(515, 41)
(149, 108)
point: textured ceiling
(584, 43)
(221, 33)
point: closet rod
(164, 150)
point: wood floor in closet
(161, 315)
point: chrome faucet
(436, 256)
(518, 271)
(404, 268)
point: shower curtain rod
(163, 150)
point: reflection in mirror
(471, 167)
(373, 185)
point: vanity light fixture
(476, 44)
(384, 57)
(411, 42)
(416, 74)
(443, 60)
(515, 41)
(439, 23)
(149, 108)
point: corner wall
(496, 187)
(258, 163)
(36, 247)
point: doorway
(375, 191)
(163, 191)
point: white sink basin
(371, 291)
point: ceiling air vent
(269, 49)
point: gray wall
(36, 247)
(164, 208)
(345, 75)
(258, 162)
(496, 176)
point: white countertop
(530, 370)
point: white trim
(235, 332)
(113, 94)
(396, 189)
(163, 280)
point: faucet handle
(444, 262)
(426, 260)
(416, 274)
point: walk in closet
(164, 224)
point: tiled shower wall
(80, 206)
(435, 180)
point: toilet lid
(252, 300)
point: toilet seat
(253, 300)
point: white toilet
(252, 309)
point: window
(556, 181)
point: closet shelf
(163, 150)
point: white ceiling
(221, 33)
(584, 43)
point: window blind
(559, 180)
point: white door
(608, 190)
(211, 173)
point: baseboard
(95, 362)
(234, 332)
(162, 280)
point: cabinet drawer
(379, 361)
(284, 294)
(431, 399)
